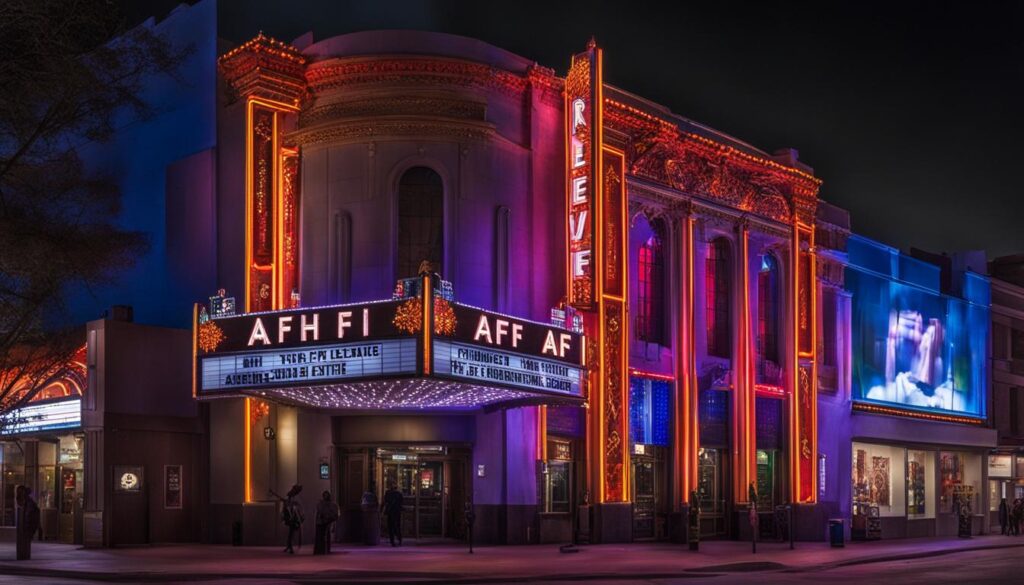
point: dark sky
(909, 111)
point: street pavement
(995, 559)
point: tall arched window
(768, 371)
(717, 293)
(420, 221)
(650, 296)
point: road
(984, 567)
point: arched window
(768, 371)
(650, 296)
(420, 221)
(717, 298)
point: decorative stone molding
(267, 68)
(379, 129)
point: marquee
(388, 354)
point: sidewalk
(449, 563)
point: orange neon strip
(651, 375)
(248, 450)
(597, 247)
(428, 299)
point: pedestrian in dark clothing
(27, 522)
(327, 513)
(393, 503)
(1004, 517)
(1017, 515)
(291, 515)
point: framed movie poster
(172, 487)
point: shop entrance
(433, 482)
(648, 491)
(711, 482)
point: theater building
(618, 317)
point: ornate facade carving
(394, 105)
(371, 129)
(266, 68)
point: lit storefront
(42, 448)
(917, 427)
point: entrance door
(644, 497)
(69, 519)
(711, 490)
(422, 484)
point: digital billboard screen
(916, 349)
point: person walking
(27, 522)
(1004, 517)
(291, 515)
(327, 513)
(393, 504)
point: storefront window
(46, 476)
(920, 484)
(878, 481)
(13, 475)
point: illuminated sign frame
(44, 416)
(342, 344)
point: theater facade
(451, 270)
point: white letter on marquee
(366, 322)
(565, 339)
(578, 106)
(259, 333)
(579, 261)
(283, 326)
(577, 222)
(343, 322)
(579, 190)
(483, 330)
(500, 330)
(549, 344)
(517, 334)
(577, 153)
(313, 327)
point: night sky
(909, 111)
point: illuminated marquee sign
(582, 129)
(496, 350)
(303, 347)
(45, 416)
(373, 341)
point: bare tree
(71, 74)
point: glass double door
(423, 488)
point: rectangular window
(828, 325)
(999, 341)
(649, 411)
(878, 480)
(920, 484)
(1017, 344)
(1015, 397)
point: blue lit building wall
(649, 411)
(164, 167)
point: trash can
(836, 533)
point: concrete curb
(355, 577)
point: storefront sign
(172, 487)
(1000, 466)
(325, 471)
(43, 416)
(584, 137)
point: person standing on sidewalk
(393, 504)
(27, 524)
(327, 513)
(1004, 517)
(292, 517)
(1016, 516)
